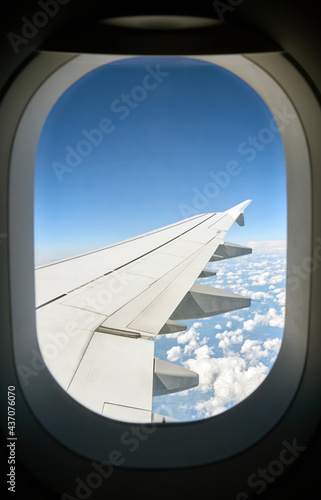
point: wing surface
(98, 313)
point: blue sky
(144, 142)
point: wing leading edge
(99, 312)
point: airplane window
(134, 146)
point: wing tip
(237, 212)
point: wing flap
(64, 334)
(109, 295)
(115, 370)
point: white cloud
(181, 336)
(229, 378)
(260, 295)
(260, 278)
(229, 337)
(191, 346)
(191, 337)
(254, 350)
(273, 344)
(276, 279)
(244, 291)
(262, 263)
(174, 353)
(237, 318)
(233, 377)
(218, 327)
(185, 337)
(268, 245)
(281, 298)
(271, 318)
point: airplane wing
(97, 313)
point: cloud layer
(232, 353)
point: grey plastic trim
(174, 445)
